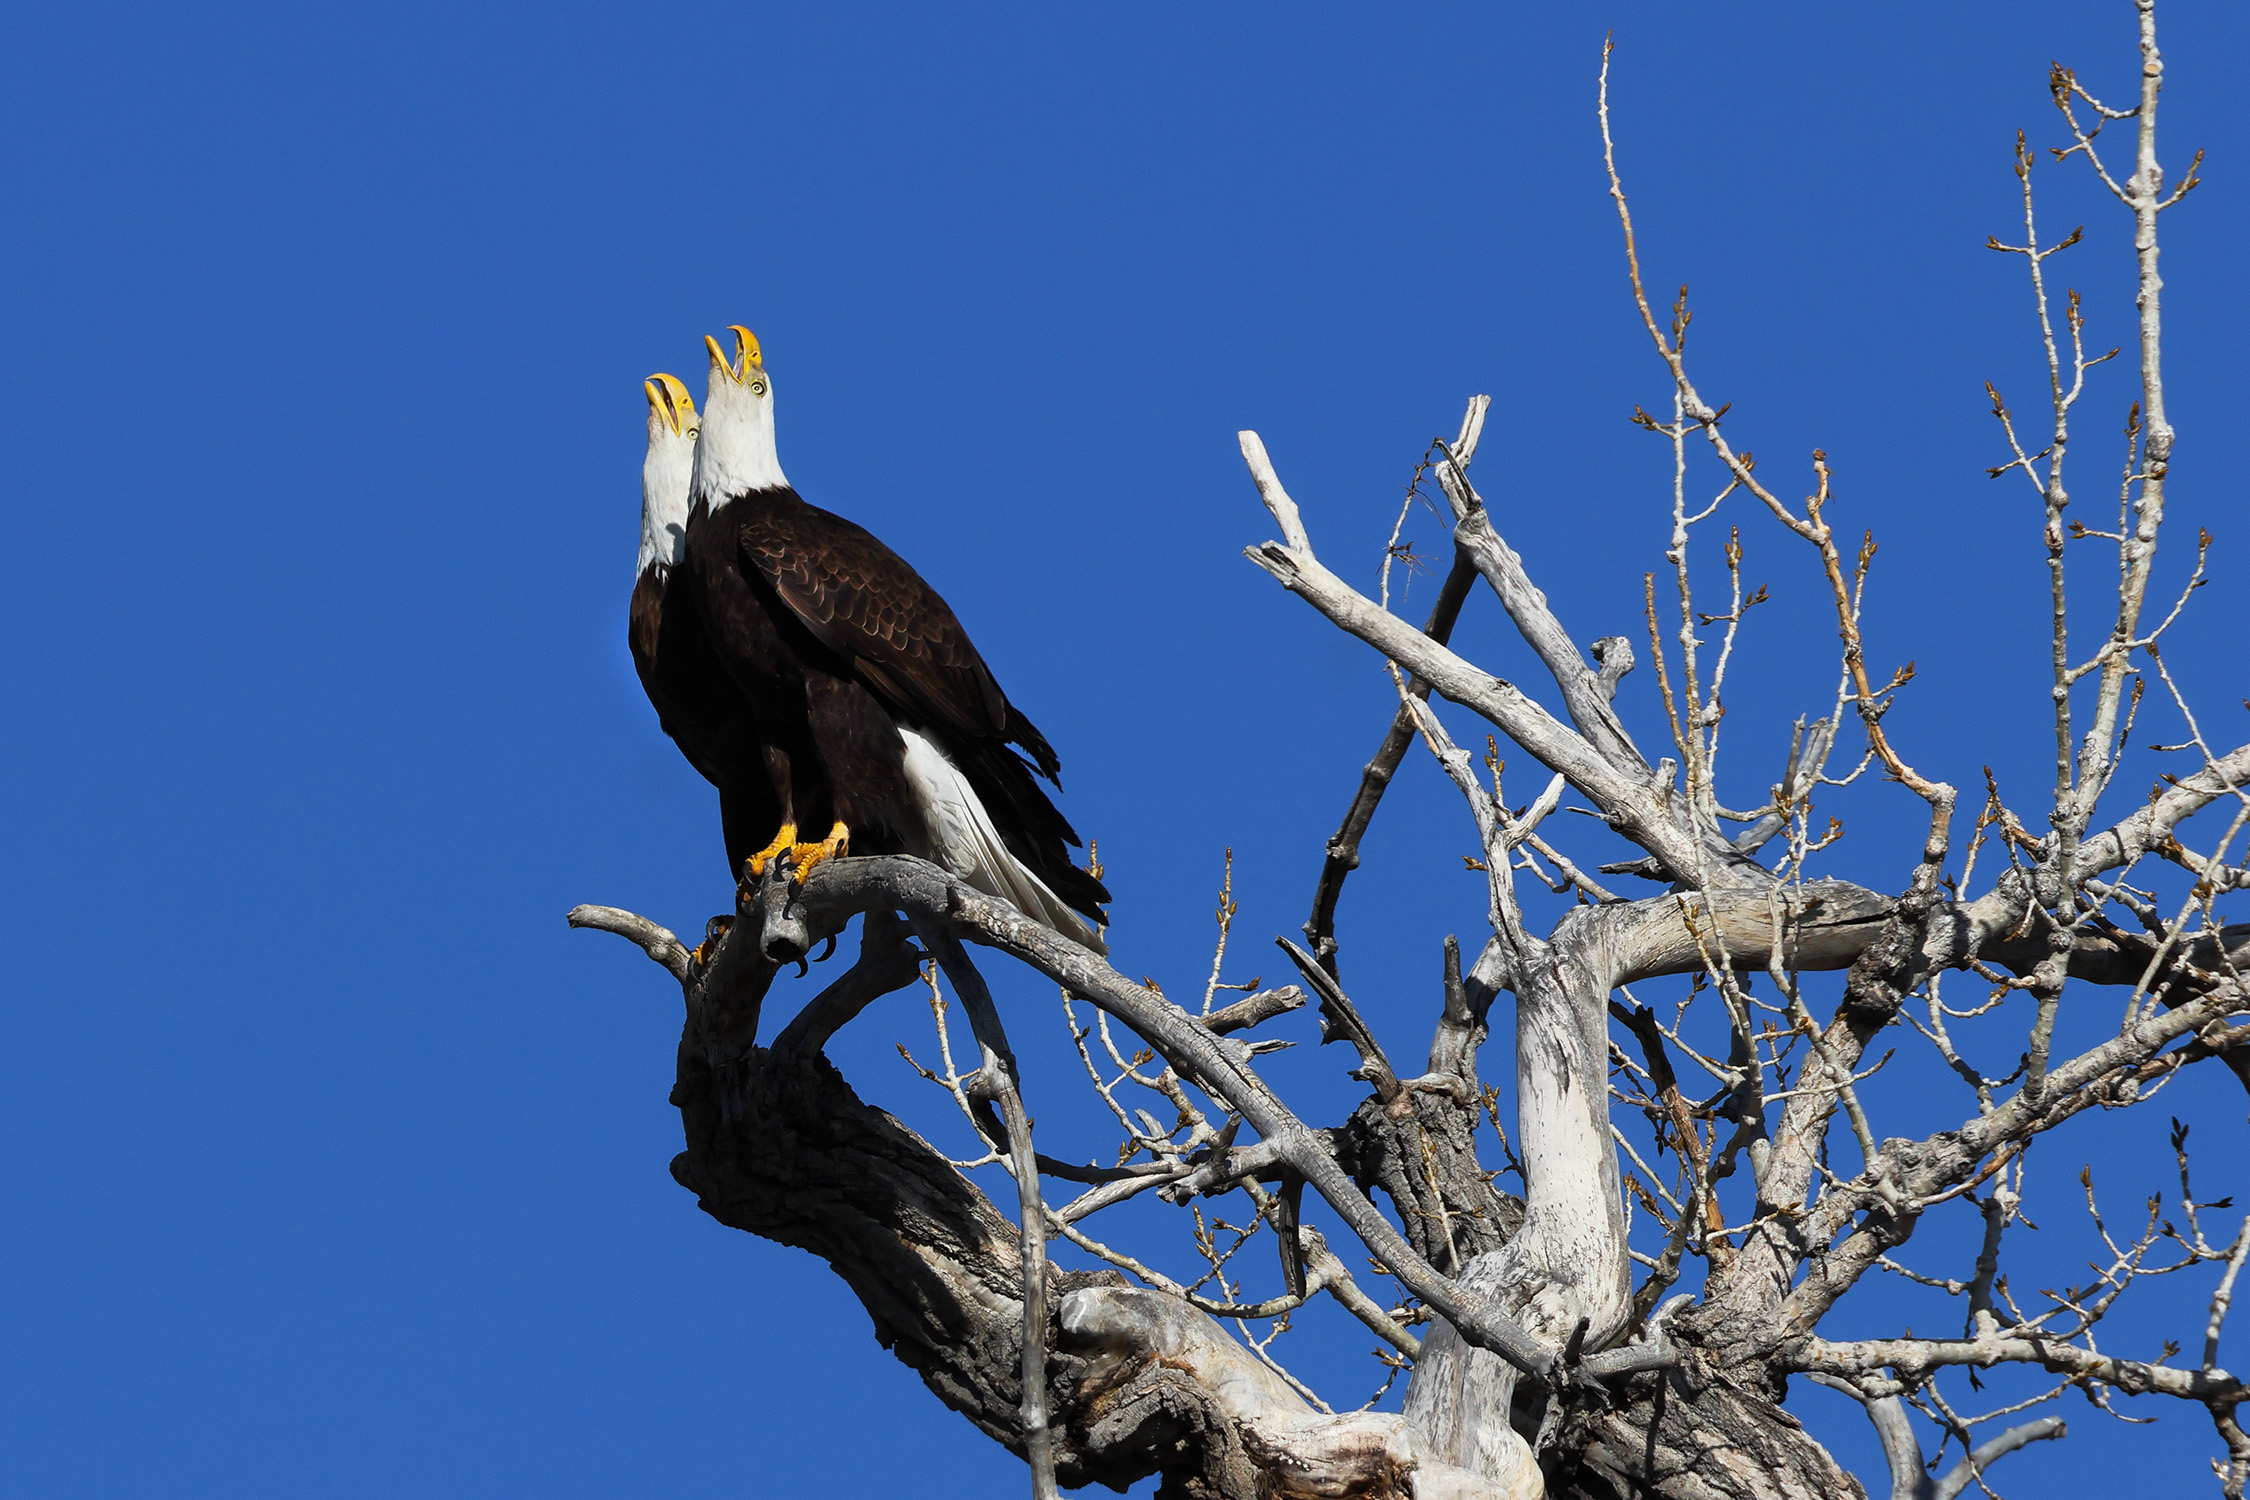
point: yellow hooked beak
(671, 402)
(746, 355)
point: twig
(1342, 856)
(657, 942)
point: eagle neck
(664, 505)
(735, 453)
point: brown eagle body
(699, 706)
(843, 654)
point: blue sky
(335, 1165)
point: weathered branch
(1992, 1450)
(886, 964)
(1259, 1008)
(1526, 603)
(2150, 827)
(841, 887)
(1340, 1020)
(657, 942)
(1342, 854)
(1631, 805)
(1299, 1451)
(1910, 1359)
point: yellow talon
(783, 841)
(805, 856)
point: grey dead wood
(780, 1146)
(937, 1265)
(730, 1089)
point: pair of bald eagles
(812, 676)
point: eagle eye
(757, 387)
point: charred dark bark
(781, 1147)
(1419, 1150)
(1690, 1434)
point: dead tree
(1630, 1325)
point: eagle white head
(736, 455)
(665, 472)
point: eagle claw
(805, 856)
(783, 842)
(713, 932)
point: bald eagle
(875, 717)
(696, 701)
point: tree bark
(778, 1145)
(1689, 1434)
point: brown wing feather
(866, 603)
(892, 632)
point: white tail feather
(969, 845)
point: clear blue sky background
(333, 1164)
